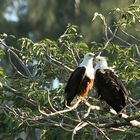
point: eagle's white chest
(90, 72)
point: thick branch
(130, 120)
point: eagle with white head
(81, 80)
(109, 86)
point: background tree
(38, 19)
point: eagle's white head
(101, 63)
(88, 60)
(88, 64)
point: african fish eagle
(109, 86)
(81, 80)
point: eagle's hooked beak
(93, 55)
(96, 59)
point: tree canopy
(31, 107)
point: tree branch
(58, 63)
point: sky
(11, 11)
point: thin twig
(78, 127)
(9, 56)
(62, 65)
(107, 42)
(8, 88)
(66, 129)
(93, 107)
(61, 111)
(122, 40)
(50, 102)
(99, 130)
(21, 63)
(72, 52)
(130, 35)
(19, 60)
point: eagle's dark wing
(118, 81)
(74, 83)
(111, 89)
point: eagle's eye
(91, 55)
(98, 60)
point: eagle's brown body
(111, 89)
(78, 85)
(81, 80)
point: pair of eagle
(107, 84)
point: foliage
(30, 104)
(129, 16)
